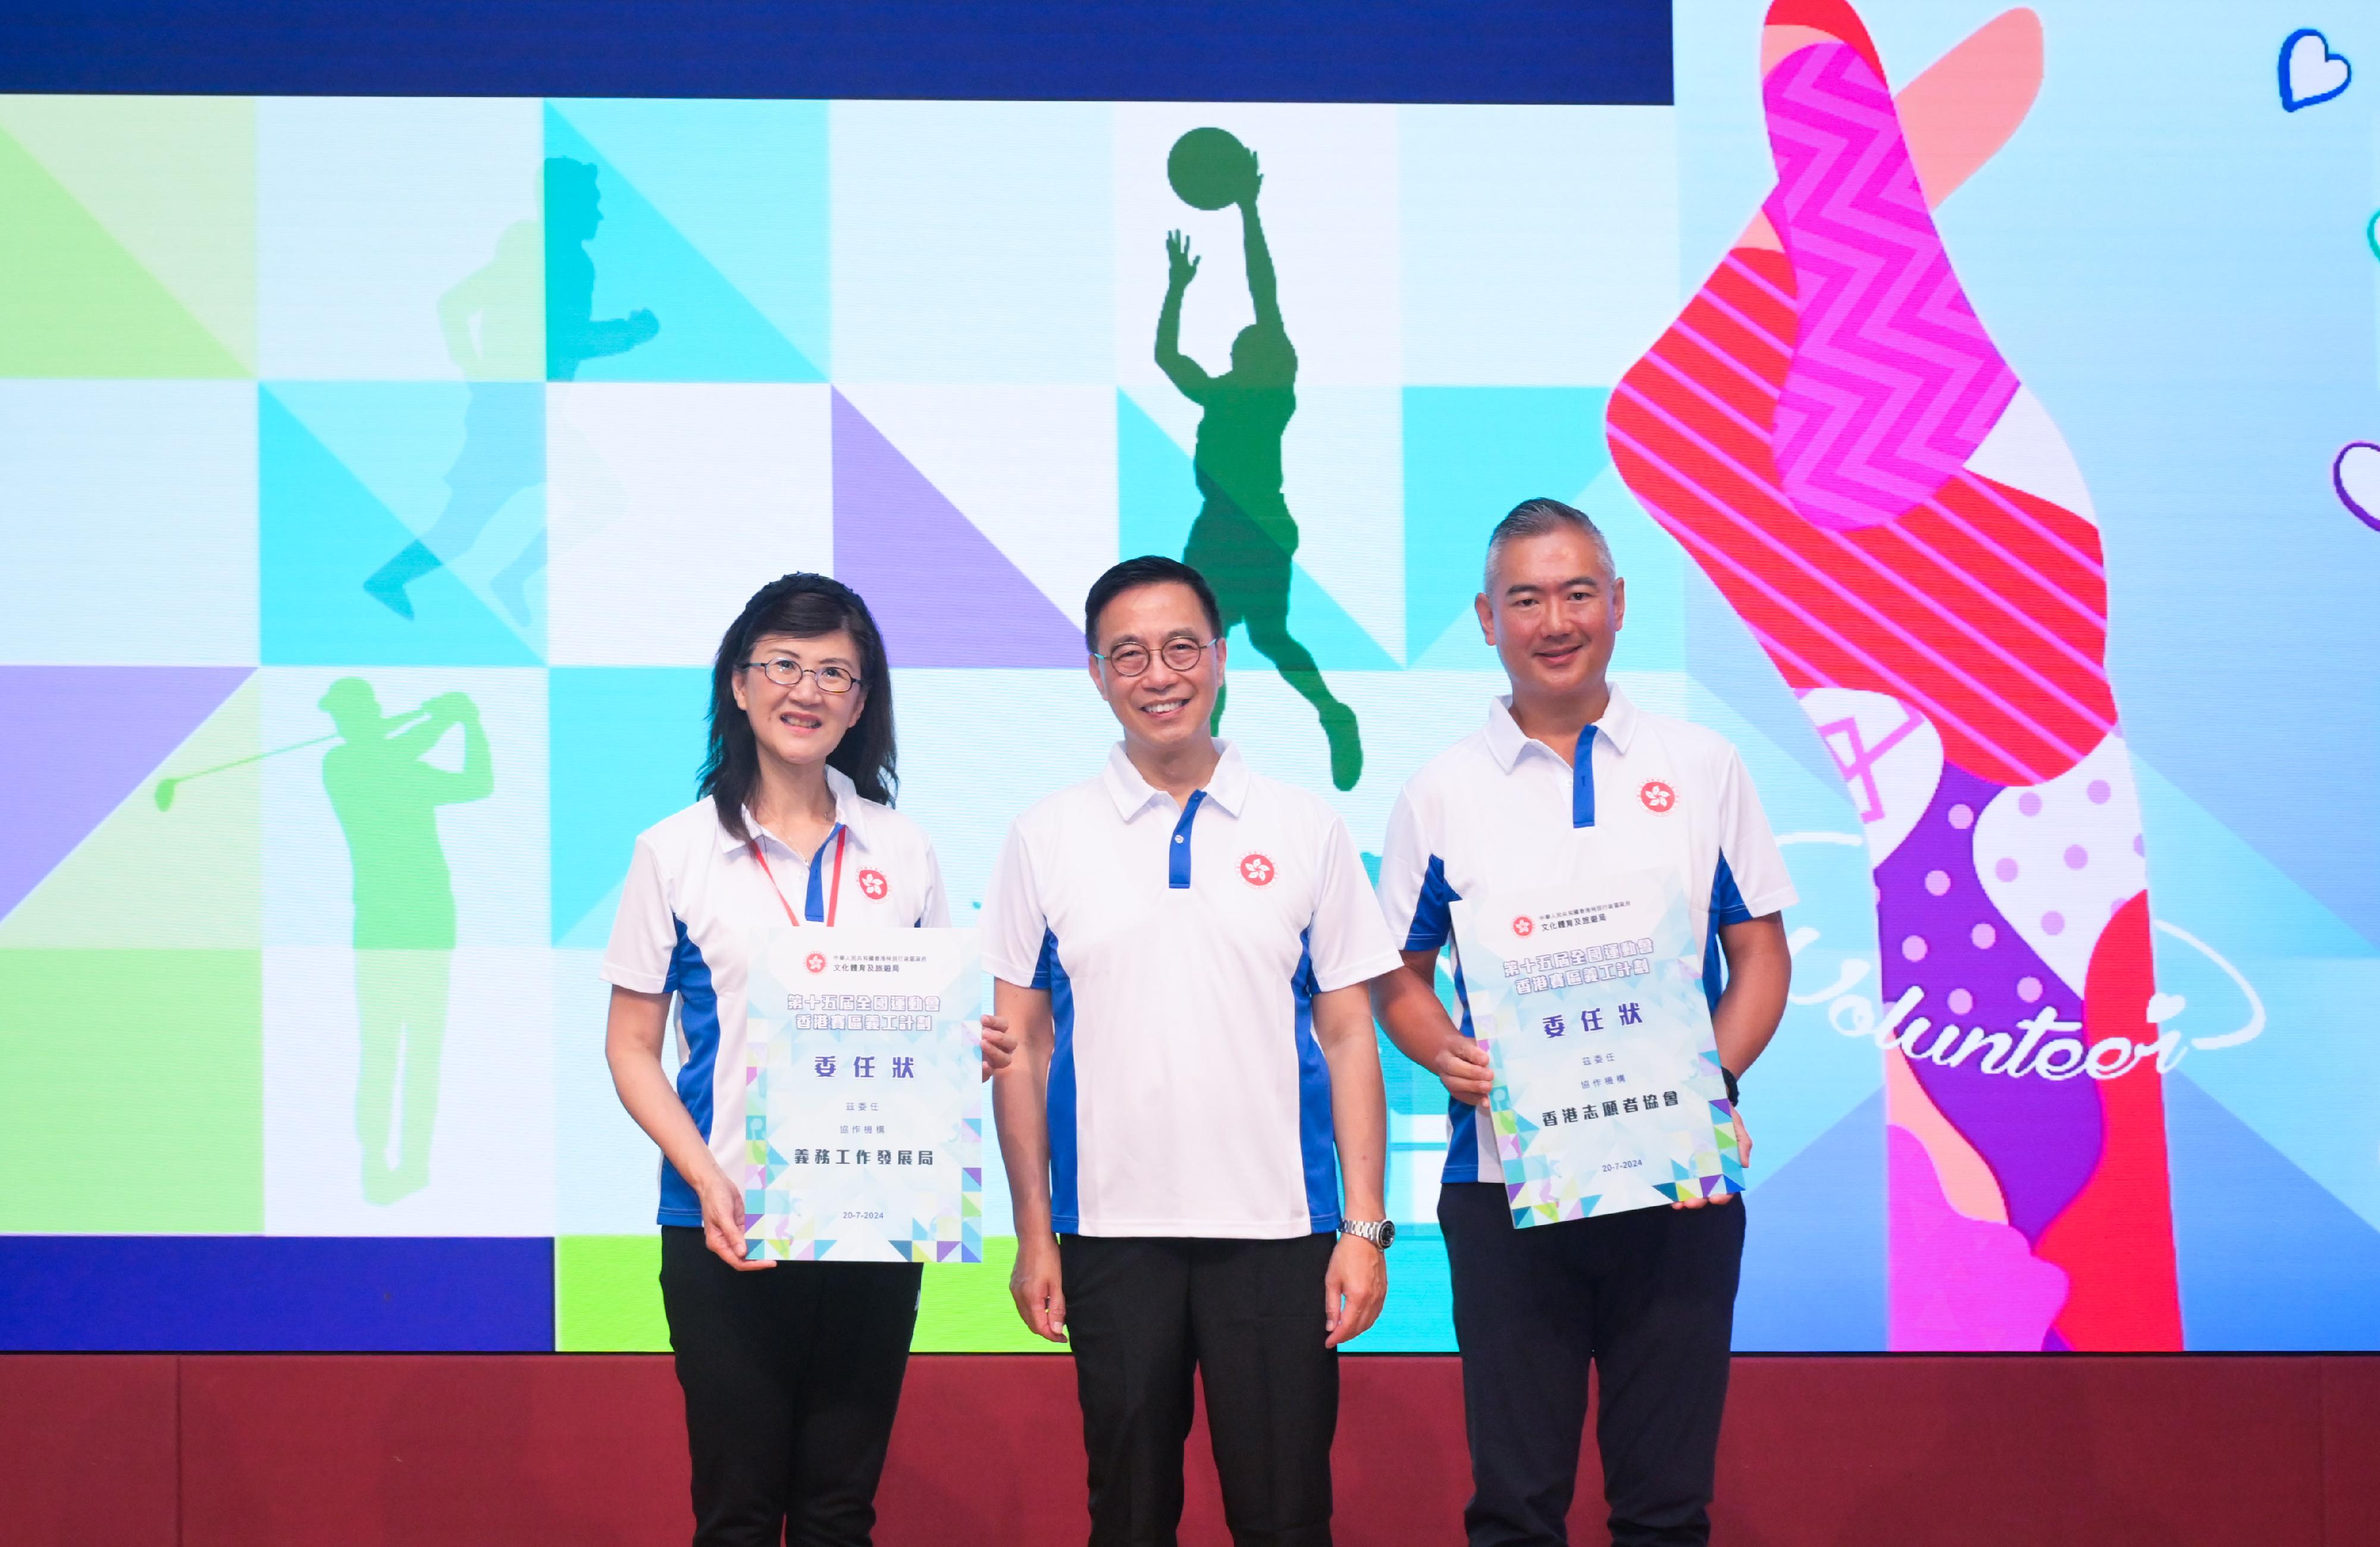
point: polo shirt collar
(855, 814)
(1510, 743)
(1226, 786)
(850, 810)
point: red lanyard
(835, 890)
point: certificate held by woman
(864, 1114)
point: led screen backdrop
(1970, 401)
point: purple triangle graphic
(942, 592)
(78, 739)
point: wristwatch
(1381, 1232)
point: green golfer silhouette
(1244, 535)
(386, 798)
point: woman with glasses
(791, 1371)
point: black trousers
(1142, 1314)
(791, 1377)
(1648, 1297)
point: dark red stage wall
(261, 1451)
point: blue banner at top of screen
(1337, 51)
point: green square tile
(607, 1295)
(172, 1040)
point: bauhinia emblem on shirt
(1257, 871)
(874, 884)
(1656, 795)
(815, 961)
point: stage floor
(1861, 1451)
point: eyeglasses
(786, 672)
(1131, 660)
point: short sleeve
(1014, 924)
(1414, 897)
(1347, 942)
(644, 931)
(1753, 880)
(935, 914)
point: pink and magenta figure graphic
(1830, 433)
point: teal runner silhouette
(1245, 536)
(386, 798)
(503, 427)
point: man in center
(1183, 946)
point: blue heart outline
(2290, 46)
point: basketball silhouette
(1210, 169)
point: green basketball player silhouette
(1244, 535)
(386, 800)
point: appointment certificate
(1589, 1001)
(864, 1098)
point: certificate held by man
(864, 1125)
(1609, 1094)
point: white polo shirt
(1181, 948)
(697, 901)
(1499, 811)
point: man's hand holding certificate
(865, 1119)
(1589, 1001)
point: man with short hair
(1570, 782)
(1182, 946)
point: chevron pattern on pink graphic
(1985, 608)
(1892, 383)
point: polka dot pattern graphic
(1977, 969)
(2058, 859)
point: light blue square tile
(972, 242)
(397, 239)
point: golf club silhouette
(165, 788)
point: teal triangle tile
(2268, 1258)
(746, 182)
(1319, 623)
(427, 451)
(1815, 1270)
(708, 330)
(1157, 501)
(1729, 663)
(624, 742)
(2229, 889)
(1156, 497)
(320, 533)
(1470, 454)
(1459, 649)
(593, 929)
